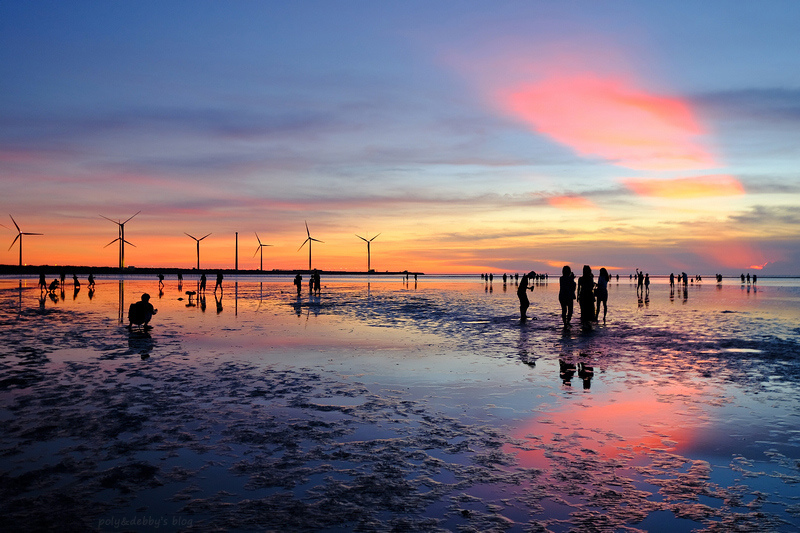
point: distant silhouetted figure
(42, 282)
(672, 280)
(647, 283)
(140, 313)
(639, 281)
(218, 285)
(742, 277)
(755, 277)
(160, 280)
(63, 276)
(317, 283)
(566, 293)
(685, 279)
(53, 286)
(91, 280)
(202, 283)
(748, 277)
(298, 282)
(75, 281)
(586, 295)
(505, 278)
(602, 293)
(522, 293)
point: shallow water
(389, 405)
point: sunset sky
(473, 136)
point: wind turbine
(20, 233)
(198, 247)
(260, 249)
(308, 240)
(369, 269)
(121, 239)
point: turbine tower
(369, 268)
(308, 240)
(20, 233)
(198, 247)
(121, 239)
(260, 249)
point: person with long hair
(602, 293)
(522, 294)
(586, 294)
(566, 293)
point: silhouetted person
(685, 279)
(202, 282)
(647, 283)
(742, 277)
(160, 280)
(91, 280)
(566, 293)
(602, 293)
(218, 285)
(140, 313)
(755, 277)
(748, 277)
(298, 282)
(317, 283)
(586, 295)
(505, 278)
(180, 277)
(522, 293)
(672, 280)
(63, 276)
(53, 286)
(42, 282)
(639, 281)
(75, 282)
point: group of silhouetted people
(591, 296)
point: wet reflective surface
(386, 404)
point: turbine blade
(32, 233)
(112, 242)
(15, 223)
(14, 241)
(316, 240)
(257, 249)
(360, 237)
(192, 236)
(126, 242)
(307, 232)
(301, 246)
(375, 237)
(111, 220)
(203, 237)
(259, 240)
(132, 216)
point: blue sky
(474, 136)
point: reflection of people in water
(585, 294)
(522, 293)
(566, 293)
(602, 293)
(141, 312)
(218, 302)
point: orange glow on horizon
(689, 187)
(612, 119)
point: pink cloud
(610, 118)
(570, 202)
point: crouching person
(140, 313)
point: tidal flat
(386, 405)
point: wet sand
(393, 406)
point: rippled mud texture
(397, 409)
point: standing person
(566, 293)
(602, 293)
(160, 280)
(219, 283)
(202, 282)
(317, 283)
(91, 280)
(75, 282)
(522, 294)
(42, 282)
(298, 282)
(639, 281)
(647, 283)
(586, 294)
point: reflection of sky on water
(687, 398)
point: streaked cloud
(688, 187)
